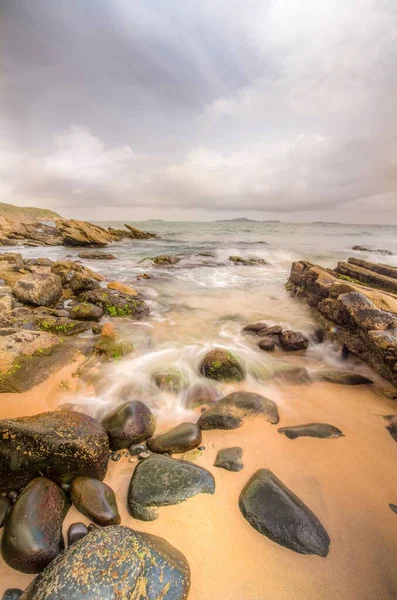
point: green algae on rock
(221, 365)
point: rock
(199, 394)
(81, 233)
(67, 268)
(4, 506)
(76, 532)
(366, 249)
(109, 346)
(387, 270)
(40, 290)
(160, 481)
(170, 381)
(136, 449)
(267, 343)
(131, 423)
(60, 325)
(6, 303)
(83, 311)
(32, 535)
(230, 459)
(247, 262)
(221, 365)
(364, 314)
(116, 304)
(293, 340)
(291, 374)
(95, 500)
(367, 276)
(231, 411)
(12, 594)
(316, 430)
(58, 445)
(273, 510)
(80, 283)
(114, 562)
(256, 328)
(165, 261)
(144, 276)
(391, 426)
(122, 288)
(39, 262)
(182, 438)
(393, 508)
(137, 234)
(96, 255)
(341, 377)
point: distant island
(243, 220)
(26, 213)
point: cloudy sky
(200, 109)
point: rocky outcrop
(361, 318)
(81, 233)
(234, 409)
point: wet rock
(273, 510)
(40, 290)
(81, 233)
(80, 283)
(12, 496)
(4, 506)
(316, 430)
(66, 269)
(364, 314)
(114, 562)
(12, 594)
(291, 374)
(122, 287)
(165, 260)
(382, 269)
(221, 365)
(230, 459)
(341, 377)
(131, 232)
(199, 394)
(96, 255)
(109, 346)
(366, 249)
(116, 304)
(171, 381)
(83, 311)
(143, 455)
(367, 276)
(391, 426)
(181, 438)
(60, 325)
(256, 328)
(231, 411)
(131, 423)
(393, 508)
(293, 340)
(95, 500)
(267, 343)
(32, 535)
(160, 481)
(247, 262)
(58, 445)
(136, 449)
(76, 532)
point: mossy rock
(171, 381)
(116, 304)
(112, 349)
(221, 365)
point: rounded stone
(199, 394)
(131, 423)
(293, 340)
(267, 343)
(12, 594)
(95, 500)
(76, 532)
(181, 438)
(4, 507)
(230, 459)
(221, 365)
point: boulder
(80, 283)
(268, 343)
(131, 423)
(81, 233)
(116, 304)
(83, 311)
(199, 394)
(367, 276)
(114, 562)
(32, 535)
(273, 510)
(96, 255)
(230, 459)
(67, 268)
(364, 314)
(60, 325)
(255, 328)
(137, 234)
(122, 288)
(76, 532)
(40, 290)
(95, 500)
(341, 377)
(4, 507)
(221, 365)
(182, 438)
(316, 430)
(291, 374)
(293, 340)
(234, 409)
(387, 270)
(58, 445)
(160, 481)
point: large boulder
(273, 510)
(32, 535)
(114, 562)
(40, 290)
(160, 481)
(58, 445)
(222, 365)
(81, 233)
(234, 409)
(116, 304)
(316, 430)
(131, 423)
(95, 500)
(182, 438)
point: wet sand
(347, 482)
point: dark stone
(392, 426)
(96, 255)
(160, 481)
(222, 365)
(182, 438)
(136, 449)
(12, 496)
(230, 459)
(293, 340)
(292, 374)
(143, 455)
(115, 456)
(273, 510)
(4, 506)
(316, 430)
(393, 507)
(256, 328)
(231, 411)
(76, 532)
(95, 500)
(83, 311)
(200, 393)
(12, 594)
(131, 423)
(341, 377)
(170, 381)
(32, 535)
(267, 343)
(59, 445)
(114, 562)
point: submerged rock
(58, 445)
(256, 328)
(4, 506)
(199, 394)
(230, 459)
(273, 510)
(131, 423)
(247, 262)
(114, 562)
(40, 290)
(267, 343)
(222, 365)
(341, 377)
(95, 500)
(76, 532)
(32, 535)
(293, 340)
(181, 438)
(391, 426)
(316, 430)
(231, 411)
(170, 381)
(291, 374)
(160, 481)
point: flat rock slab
(182, 438)
(341, 377)
(273, 510)
(230, 459)
(316, 430)
(114, 562)
(231, 411)
(160, 481)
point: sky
(200, 109)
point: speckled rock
(95, 500)
(32, 535)
(160, 481)
(76, 532)
(341, 377)
(131, 423)
(12, 594)
(273, 510)
(114, 563)
(40, 290)
(221, 365)
(59, 445)
(316, 430)
(199, 394)
(231, 411)
(4, 506)
(83, 311)
(230, 459)
(182, 438)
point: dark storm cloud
(209, 107)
